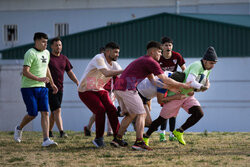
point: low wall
(226, 104)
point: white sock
(164, 132)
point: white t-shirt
(92, 78)
(147, 89)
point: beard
(113, 58)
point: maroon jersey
(57, 66)
(136, 71)
(172, 63)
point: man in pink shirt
(128, 98)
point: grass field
(202, 149)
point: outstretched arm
(110, 73)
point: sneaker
(162, 137)
(146, 140)
(172, 138)
(64, 135)
(179, 136)
(51, 134)
(17, 135)
(140, 145)
(118, 142)
(49, 143)
(110, 134)
(87, 132)
(98, 142)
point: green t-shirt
(38, 62)
(196, 68)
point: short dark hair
(112, 45)
(101, 49)
(166, 39)
(153, 44)
(40, 35)
(55, 40)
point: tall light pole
(177, 5)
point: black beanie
(210, 54)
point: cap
(210, 54)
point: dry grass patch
(202, 149)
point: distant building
(20, 19)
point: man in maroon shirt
(58, 65)
(128, 98)
(169, 61)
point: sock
(164, 132)
(138, 139)
(45, 139)
(179, 130)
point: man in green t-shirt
(189, 104)
(35, 95)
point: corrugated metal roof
(191, 38)
(242, 20)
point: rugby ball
(202, 79)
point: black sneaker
(98, 142)
(140, 145)
(87, 132)
(118, 142)
(51, 134)
(63, 135)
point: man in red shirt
(169, 61)
(58, 65)
(129, 99)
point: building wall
(226, 104)
(85, 15)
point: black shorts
(55, 100)
(144, 99)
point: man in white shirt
(98, 72)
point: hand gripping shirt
(196, 68)
(92, 78)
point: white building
(19, 19)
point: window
(61, 29)
(10, 33)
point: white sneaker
(17, 135)
(49, 143)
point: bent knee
(197, 111)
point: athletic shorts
(130, 101)
(35, 99)
(171, 109)
(55, 100)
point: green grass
(202, 149)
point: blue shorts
(35, 99)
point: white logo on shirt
(174, 61)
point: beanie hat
(210, 54)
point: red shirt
(172, 63)
(57, 66)
(136, 71)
